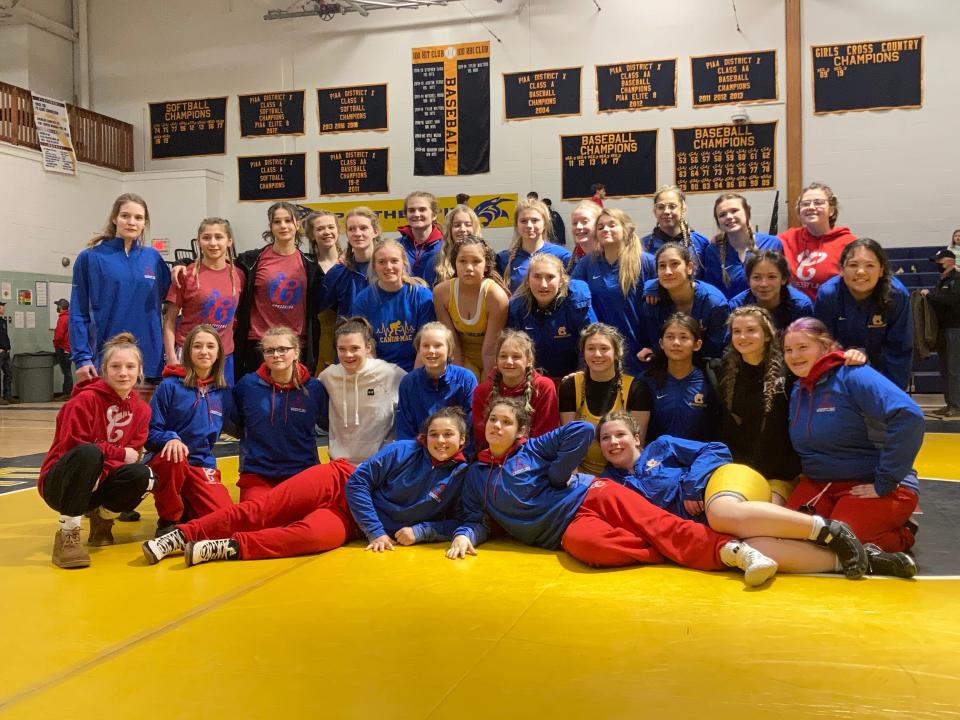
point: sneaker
(894, 564)
(201, 551)
(129, 516)
(101, 530)
(157, 549)
(949, 412)
(68, 551)
(838, 537)
(757, 567)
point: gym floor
(514, 632)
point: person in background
(599, 192)
(7, 395)
(945, 298)
(559, 229)
(61, 345)
(954, 245)
(421, 237)
(462, 198)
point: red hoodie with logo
(814, 260)
(96, 415)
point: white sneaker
(201, 551)
(157, 549)
(757, 567)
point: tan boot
(68, 551)
(101, 530)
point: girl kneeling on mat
(525, 485)
(92, 466)
(186, 420)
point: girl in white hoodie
(362, 394)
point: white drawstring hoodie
(362, 408)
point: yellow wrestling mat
(511, 633)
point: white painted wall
(13, 55)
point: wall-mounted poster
(542, 93)
(624, 161)
(875, 75)
(734, 79)
(451, 109)
(275, 113)
(715, 158)
(273, 177)
(185, 128)
(637, 85)
(352, 109)
(355, 172)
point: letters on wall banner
(734, 79)
(352, 109)
(624, 161)
(275, 113)
(355, 172)
(542, 93)
(641, 85)
(451, 109)
(187, 128)
(715, 158)
(273, 177)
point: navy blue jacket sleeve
(898, 341)
(700, 459)
(368, 476)
(565, 447)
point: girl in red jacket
(92, 466)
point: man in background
(61, 346)
(559, 229)
(945, 298)
(6, 390)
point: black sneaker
(894, 564)
(838, 537)
(129, 516)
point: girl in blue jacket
(553, 310)
(675, 289)
(527, 487)
(857, 435)
(724, 258)
(670, 211)
(187, 411)
(866, 307)
(396, 304)
(532, 233)
(768, 277)
(276, 410)
(345, 280)
(119, 285)
(435, 384)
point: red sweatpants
(253, 486)
(873, 520)
(616, 526)
(176, 482)
(304, 514)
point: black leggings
(68, 485)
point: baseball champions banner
(451, 109)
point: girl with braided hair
(724, 258)
(532, 233)
(515, 376)
(600, 387)
(670, 211)
(865, 307)
(460, 222)
(769, 278)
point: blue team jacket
(555, 331)
(685, 408)
(113, 292)
(420, 396)
(709, 307)
(886, 337)
(340, 287)
(531, 494)
(698, 245)
(422, 258)
(794, 305)
(713, 270)
(671, 470)
(518, 271)
(396, 317)
(856, 425)
(400, 487)
(187, 414)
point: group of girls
(397, 367)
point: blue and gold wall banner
(625, 161)
(717, 158)
(272, 177)
(871, 75)
(272, 113)
(542, 93)
(354, 108)
(734, 79)
(451, 109)
(187, 128)
(640, 85)
(355, 172)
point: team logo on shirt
(396, 332)
(149, 275)
(218, 310)
(562, 331)
(807, 262)
(826, 404)
(284, 292)
(652, 463)
(877, 321)
(698, 400)
(437, 491)
(212, 476)
(116, 420)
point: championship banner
(53, 133)
(734, 79)
(451, 109)
(542, 93)
(624, 161)
(716, 158)
(352, 109)
(355, 172)
(637, 85)
(186, 128)
(272, 177)
(877, 75)
(494, 211)
(277, 113)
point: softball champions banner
(355, 172)
(494, 211)
(451, 109)
(733, 79)
(637, 85)
(185, 128)
(725, 157)
(542, 93)
(877, 75)
(273, 177)
(626, 162)
(352, 109)
(277, 113)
